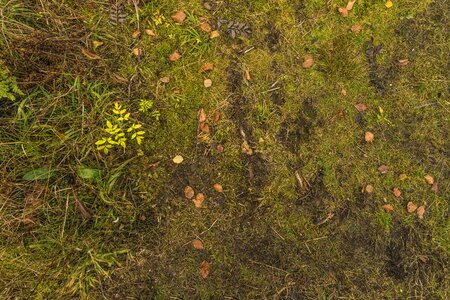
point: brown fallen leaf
(205, 268)
(199, 199)
(369, 189)
(204, 127)
(246, 148)
(197, 244)
(175, 56)
(429, 179)
(218, 187)
(360, 107)
(423, 258)
(403, 62)
(343, 11)
(435, 187)
(189, 192)
(220, 148)
(150, 32)
(136, 34)
(402, 177)
(89, 54)
(308, 61)
(165, 79)
(368, 137)
(214, 34)
(383, 169)
(179, 16)
(396, 191)
(411, 207)
(247, 75)
(96, 44)
(137, 51)
(343, 92)
(216, 116)
(388, 208)
(201, 115)
(350, 5)
(205, 27)
(356, 28)
(206, 68)
(420, 212)
(207, 83)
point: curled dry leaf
(96, 44)
(429, 179)
(220, 148)
(246, 148)
(199, 199)
(137, 51)
(369, 189)
(179, 16)
(308, 61)
(247, 75)
(356, 28)
(435, 187)
(197, 244)
(205, 27)
(216, 116)
(218, 187)
(204, 127)
(136, 34)
(150, 32)
(206, 68)
(89, 54)
(165, 79)
(175, 56)
(201, 115)
(360, 107)
(368, 137)
(189, 192)
(178, 159)
(389, 4)
(205, 268)
(383, 169)
(420, 212)
(343, 11)
(403, 62)
(402, 177)
(388, 208)
(397, 193)
(350, 5)
(214, 34)
(207, 83)
(411, 207)
(343, 92)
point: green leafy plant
(120, 131)
(146, 107)
(8, 85)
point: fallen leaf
(85, 211)
(397, 192)
(201, 115)
(179, 16)
(420, 212)
(150, 32)
(89, 54)
(308, 61)
(137, 51)
(356, 28)
(360, 107)
(218, 187)
(96, 44)
(423, 258)
(388, 208)
(136, 34)
(411, 207)
(152, 167)
(197, 244)
(207, 5)
(369, 189)
(402, 177)
(214, 34)
(189, 192)
(389, 4)
(216, 116)
(403, 62)
(220, 148)
(199, 199)
(207, 83)
(350, 5)
(206, 67)
(343, 11)
(429, 179)
(204, 127)
(174, 56)
(383, 169)
(165, 79)
(205, 268)
(178, 159)
(205, 27)
(435, 187)
(368, 137)
(343, 92)
(247, 75)
(246, 148)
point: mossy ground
(263, 235)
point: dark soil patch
(273, 38)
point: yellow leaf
(389, 4)
(178, 159)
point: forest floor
(275, 149)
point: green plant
(8, 85)
(146, 107)
(119, 130)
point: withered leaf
(383, 169)
(205, 268)
(206, 67)
(165, 79)
(435, 187)
(343, 92)
(85, 211)
(360, 107)
(175, 56)
(150, 32)
(204, 127)
(96, 44)
(178, 159)
(189, 192)
(197, 244)
(218, 187)
(403, 62)
(420, 212)
(220, 148)
(179, 16)
(136, 34)
(350, 5)
(343, 11)
(214, 34)
(247, 75)
(137, 51)
(152, 167)
(369, 137)
(369, 188)
(207, 83)
(245, 147)
(411, 207)
(388, 208)
(89, 54)
(199, 199)
(216, 116)
(201, 115)
(429, 179)
(356, 28)
(402, 177)
(205, 27)
(308, 61)
(396, 191)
